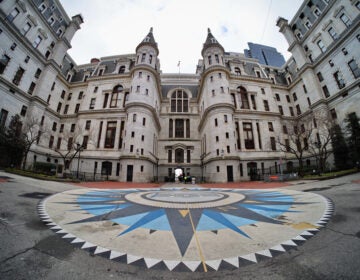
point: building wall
(112, 89)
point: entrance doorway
(230, 176)
(129, 173)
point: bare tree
(296, 140)
(32, 130)
(320, 147)
(73, 142)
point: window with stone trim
(110, 135)
(179, 101)
(248, 136)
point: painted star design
(182, 220)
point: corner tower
(142, 109)
(217, 110)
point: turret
(212, 52)
(147, 51)
(294, 46)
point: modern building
(135, 123)
(265, 54)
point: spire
(211, 42)
(149, 40)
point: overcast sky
(113, 27)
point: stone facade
(139, 124)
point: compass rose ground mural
(186, 229)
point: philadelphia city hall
(134, 123)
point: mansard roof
(149, 40)
(211, 42)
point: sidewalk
(232, 185)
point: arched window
(237, 71)
(244, 98)
(114, 95)
(179, 155)
(179, 101)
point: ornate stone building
(136, 123)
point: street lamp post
(78, 147)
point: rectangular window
(305, 89)
(321, 46)
(228, 149)
(298, 110)
(333, 114)
(23, 111)
(309, 101)
(106, 97)
(320, 76)
(171, 123)
(273, 144)
(58, 109)
(281, 110)
(85, 141)
(51, 141)
(61, 128)
(77, 107)
(288, 98)
(4, 62)
(248, 136)
(291, 111)
(271, 127)
(19, 74)
(285, 131)
(63, 94)
(354, 68)
(3, 117)
(144, 121)
(87, 125)
(294, 96)
(66, 109)
(216, 122)
(266, 105)
(92, 103)
(131, 148)
(169, 156)
(37, 42)
(99, 135)
(72, 129)
(188, 156)
(277, 96)
(25, 29)
(13, 14)
(31, 88)
(70, 143)
(344, 18)
(58, 144)
(326, 91)
(252, 98)
(187, 128)
(110, 135)
(225, 119)
(114, 99)
(339, 80)
(179, 128)
(287, 145)
(332, 33)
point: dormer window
(317, 12)
(308, 24)
(42, 8)
(13, 14)
(59, 32)
(143, 57)
(122, 69)
(51, 20)
(213, 40)
(345, 19)
(321, 46)
(299, 35)
(332, 33)
(237, 71)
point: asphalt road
(31, 251)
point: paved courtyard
(302, 230)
